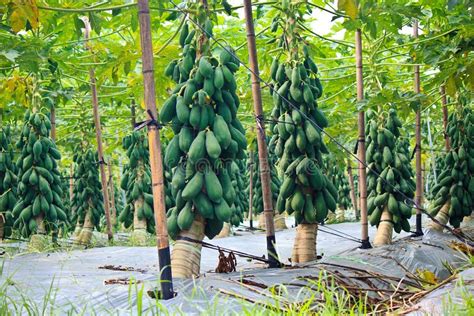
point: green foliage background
(42, 51)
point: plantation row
(208, 162)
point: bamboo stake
(112, 194)
(52, 115)
(98, 133)
(156, 162)
(444, 101)
(261, 139)
(433, 161)
(361, 145)
(133, 115)
(71, 184)
(52, 118)
(251, 189)
(419, 184)
(351, 183)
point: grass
(322, 297)
(462, 304)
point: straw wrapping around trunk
(442, 217)
(225, 232)
(384, 230)
(139, 234)
(304, 249)
(186, 255)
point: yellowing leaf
(23, 11)
(18, 21)
(451, 86)
(427, 275)
(348, 6)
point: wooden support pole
(52, 118)
(361, 145)
(433, 160)
(444, 101)
(156, 160)
(112, 194)
(98, 134)
(71, 184)
(251, 189)
(52, 115)
(419, 181)
(261, 139)
(351, 183)
(133, 114)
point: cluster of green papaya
(8, 180)
(344, 191)
(119, 206)
(305, 190)
(337, 176)
(389, 177)
(456, 181)
(65, 177)
(136, 182)
(240, 182)
(237, 174)
(87, 202)
(168, 177)
(39, 180)
(431, 179)
(257, 198)
(208, 136)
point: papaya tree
(257, 198)
(39, 209)
(237, 175)
(431, 180)
(66, 227)
(298, 121)
(88, 205)
(136, 182)
(241, 183)
(454, 193)
(207, 138)
(344, 202)
(118, 200)
(390, 183)
(8, 183)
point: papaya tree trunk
(385, 229)
(261, 221)
(353, 194)
(442, 217)
(280, 222)
(467, 220)
(139, 234)
(331, 218)
(77, 230)
(86, 233)
(225, 232)
(304, 248)
(38, 241)
(112, 196)
(186, 255)
(340, 216)
(2, 226)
